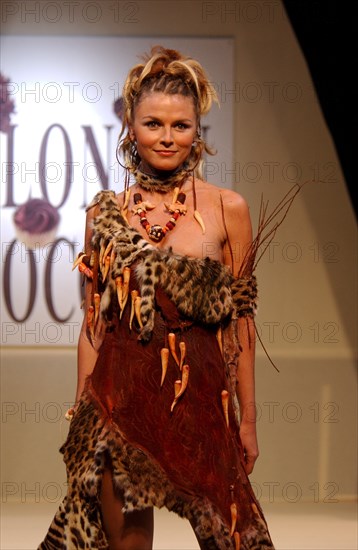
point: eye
(152, 124)
(182, 126)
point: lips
(166, 153)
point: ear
(131, 133)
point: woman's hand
(249, 442)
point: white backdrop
(61, 147)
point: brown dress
(184, 454)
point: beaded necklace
(157, 232)
(162, 184)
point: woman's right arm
(86, 352)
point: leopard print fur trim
(203, 290)
(244, 294)
(199, 288)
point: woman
(170, 300)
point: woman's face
(164, 127)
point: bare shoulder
(234, 204)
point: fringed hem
(138, 477)
(141, 481)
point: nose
(166, 137)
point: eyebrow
(151, 117)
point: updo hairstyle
(169, 72)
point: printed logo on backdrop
(60, 119)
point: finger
(249, 463)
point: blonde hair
(169, 72)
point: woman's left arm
(239, 233)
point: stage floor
(293, 526)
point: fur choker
(161, 183)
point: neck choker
(160, 183)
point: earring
(134, 158)
(195, 157)
(198, 138)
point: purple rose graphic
(36, 222)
